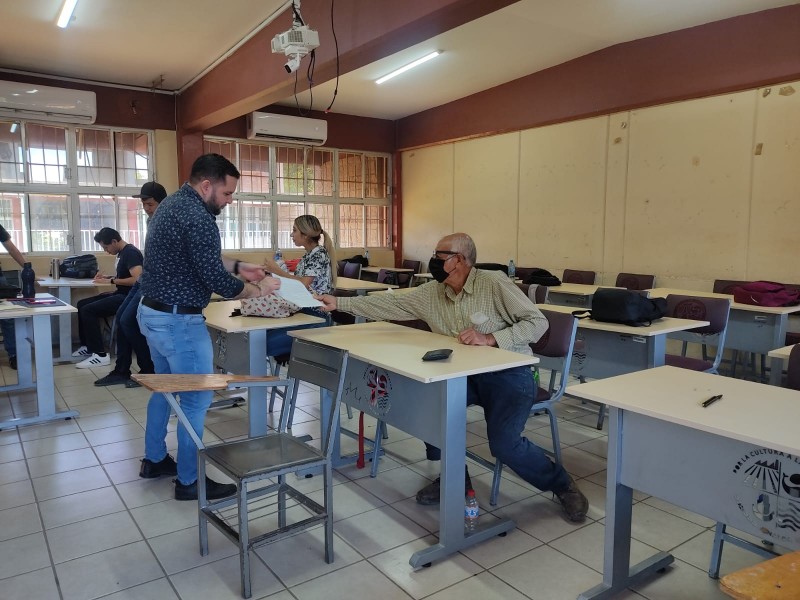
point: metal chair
(352, 270)
(554, 350)
(412, 264)
(270, 458)
(573, 276)
(714, 310)
(340, 267)
(387, 276)
(636, 281)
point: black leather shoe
(113, 378)
(429, 495)
(574, 503)
(151, 470)
(12, 362)
(214, 490)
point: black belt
(171, 308)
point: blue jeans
(7, 327)
(178, 344)
(130, 338)
(506, 397)
(280, 342)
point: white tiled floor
(76, 522)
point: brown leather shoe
(574, 503)
(429, 495)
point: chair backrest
(492, 267)
(537, 293)
(714, 310)
(574, 276)
(352, 270)
(793, 369)
(555, 347)
(404, 279)
(412, 264)
(340, 267)
(725, 286)
(387, 276)
(636, 281)
(325, 367)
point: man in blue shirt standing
(182, 268)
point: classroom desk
(387, 378)
(218, 317)
(360, 286)
(63, 287)
(609, 349)
(33, 328)
(778, 358)
(728, 462)
(377, 270)
(577, 295)
(757, 329)
(423, 277)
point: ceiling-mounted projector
(295, 43)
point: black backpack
(358, 258)
(624, 306)
(541, 277)
(79, 267)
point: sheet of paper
(294, 291)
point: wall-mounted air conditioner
(289, 130)
(43, 103)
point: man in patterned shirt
(182, 268)
(511, 322)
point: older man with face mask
(509, 320)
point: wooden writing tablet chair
(265, 459)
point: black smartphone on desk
(441, 354)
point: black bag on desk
(541, 277)
(79, 267)
(8, 291)
(624, 306)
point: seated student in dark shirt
(90, 310)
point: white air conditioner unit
(290, 130)
(43, 103)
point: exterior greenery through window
(60, 179)
(347, 191)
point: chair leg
(380, 427)
(202, 503)
(329, 512)
(496, 474)
(281, 501)
(554, 432)
(734, 361)
(716, 551)
(684, 346)
(601, 416)
(244, 541)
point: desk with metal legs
(609, 349)
(778, 358)
(63, 287)
(218, 318)
(751, 328)
(387, 379)
(33, 329)
(737, 461)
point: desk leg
(64, 327)
(45, 385)
(617, 576)
(257, 395)
(656, 350)
(452, 537)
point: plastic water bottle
(28, 278)
(278, 258)
(471, 512)
(366, 255)
(512, 269)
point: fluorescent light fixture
(66, 13)
(13, 128)
(416, 63)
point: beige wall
(692, 191)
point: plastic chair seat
(687, 362)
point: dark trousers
(130, 338)
(506, 398)
(90, 311)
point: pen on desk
(710, 401)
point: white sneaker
(82, 351)
(95, 360)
